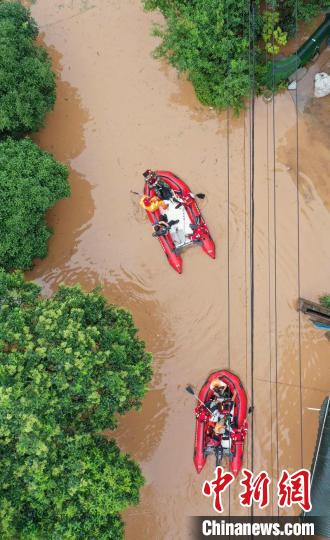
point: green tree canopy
(27, 83)
(209, 41)
(76, 490)
(31, 181)
(67, 365)
(218, 43)
(71, 357)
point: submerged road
(118, 112)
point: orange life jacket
(154, 203)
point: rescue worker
(162, 190)
(222, 398)
(208, 413)
(152, 204)
(161, 228)
(201, 413)
(220, 388)
(219, 404)
(219, 430)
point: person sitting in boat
(218, 430)
(162, 227)
(162, 190)
(202, 414)
(219, 405)
(221, 390)
(215, 409)
(152, 204)
(222, 398)
(208, 412)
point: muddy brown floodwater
(118, 112)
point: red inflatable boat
(190, 228)
(224, 433)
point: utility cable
(298, 250)
(228, 248)
(275, 268)
(269, 283)
(252, 13)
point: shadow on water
(69, 218)
(139, 432)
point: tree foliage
(75, 491)
(211, 41)
(293, 11)
(31, 181)
(72, 356)
(325, 301)
(27, 83)
(272, 34)
(67, 365)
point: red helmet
(146, 201)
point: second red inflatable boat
(221, 425)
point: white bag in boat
(181, 230)
(322, 85)
(178, 236)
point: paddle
(190, 390)
(199, 195)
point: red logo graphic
(256, 489)
(291, 489)
(294, 489)
(220, 483)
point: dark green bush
(293, 11)
(325, 300)
(27, 83)
(31, 181)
